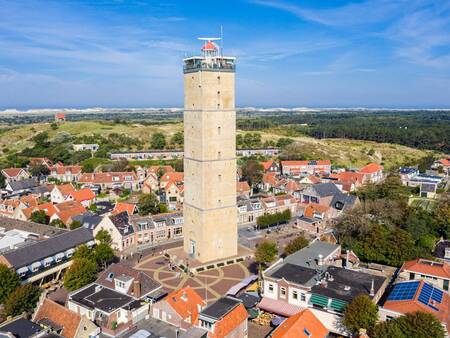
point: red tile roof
(427, 267)
(63, 169)
(68, 209)
(266, 165)
(298, 325)
(270, 178)
(60, 116)
(209, 46)
(305, 163)
(186, 302)
(413, 305)
(12, 172)
(445, 162)
(65, 189)
(165, 168)
(82, 195)
(242, 187)
(230, 322)
(371, 168)
(60, 315)
(130, 208)
(105, 178)
(357, 177)
(315, 208)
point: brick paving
(217, 282)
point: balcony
(219, 64)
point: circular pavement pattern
(211, 284)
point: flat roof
(294, 273)
(98, 297)
(221, 307)
(21, 328)
(307, 257)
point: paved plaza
(210, 284)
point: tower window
(219, 129)
(220, 177)
(218, 92)
(219, 154)
(218, 106)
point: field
(342, 152)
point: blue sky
(127, 53)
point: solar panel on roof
(404, 291)
(425, 293)
(436, 295)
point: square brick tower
(210, 220)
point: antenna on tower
(221, 40)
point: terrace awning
(319, 300)
(278, 307)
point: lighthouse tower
(210, 220)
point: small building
(65, 173)
(412, 296)
(91, 147)
(60, 192)
(243, 189)
(303, 168)
(181, 308)
(22, 187)
(428, 190)
(373, 173)
(303, 324)
(85, 197)
(62, 322)
(121, 231)
(15, 174)
(111, 180)
(436, 273)
(60, 118)
(271, 166)
(225, 318)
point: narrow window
(219, 130)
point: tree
(266, 252)
(24, 298)
(83, 251)
(416, 324)
(296, 244)
(39, 170)
(57, 223)
(361, 313)
(82, 272)
(284, 142)
(103, 236)
(39, 216)
(120, 165)
(9, 281)
(75, 225)
(158, 141)
(103, 254)
(149, 204)
(253, 172)
(177, 138)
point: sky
(128, 53)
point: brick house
(302, 168)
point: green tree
(177, 139)
(57, 223)
(149, 204)
(39, 170)
(23, 299)
(75, 225)
(283, 142)
(103, 254)
(82, 272)
(361, 313)
(39, 216)
(9, 281)
(103, 236)
(84, 252)
(296, 244)
(266, 252)
(158, 141)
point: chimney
(372, 289)
(137, 289)
(320, 260)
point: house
(225, 318)
(271, 166)
(15, 174)
(59, 193)
(443, 164)
(428, 190)
(88, 220)
(313, 218)
(373, 173)
(442, 250)
(117, 300)
(157, 229)
(121, 231)
(242, 188)
(181, 308)
(37, 161)
(45, 260)
(412, 296)
(111, 180)
(85, 196)
(407, 173)
(148, 155)
(436, 273)
(8, 207)
(59, 118)
(59, 320)
(269, 182)
(65, 173)
(91, 147)
(20, 327)
(302, 168)
(354, 179)
(65, 211)
(22, 186)
(129, 208)
(312, 278)
(310, 179)
(304, 324)
(245, 152)
(173, 195)
(248, 210)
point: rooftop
(98, 297)
(20, 328)
(221, 307)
